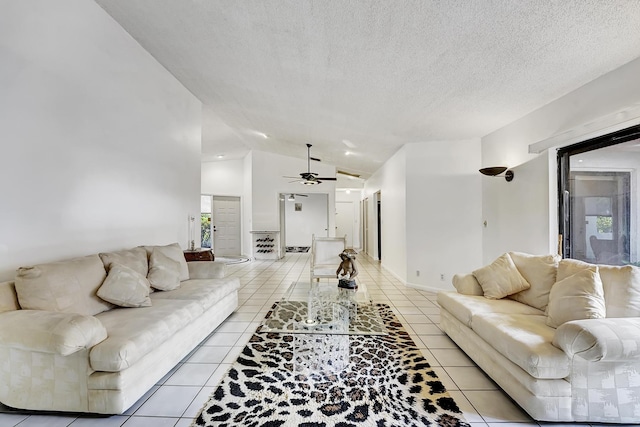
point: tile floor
(178, 397)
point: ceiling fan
(292, 197)
(308, 177)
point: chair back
(327, 250)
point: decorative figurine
(347, 271)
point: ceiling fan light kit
(496, 171)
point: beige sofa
(561, 337)
(65, 348)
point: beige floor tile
(495, 407)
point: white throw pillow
(164, 272)
(174, 252)
(568, 267)
(500, 278)
(540, 272)
(135, 258)
(467, 284)
(68, 286)
(576, 297)
(125, 287)
(621, 290)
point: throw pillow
(576, 297)
(164, 273)
(125, 287)
(68, 286)
(540, 272)
(467, 284)
(621, 286)
(174, 252)
(135, 258)
(568, 267)
(500, 278)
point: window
(205, 221)
(599, 207)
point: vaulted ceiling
(367, 76)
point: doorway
(345, 221)
(221, 224)
(597, 198)
(304, 215)
(378, 198)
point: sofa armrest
(207, 270)
(612, 339)
(467, 284)
(49, 331)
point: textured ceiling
(376, 74)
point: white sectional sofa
(94, 334)
(561, 337)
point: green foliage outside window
(604, 224)
(205, 230)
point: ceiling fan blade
(301, 195)
(315, 159)
(297, 180)
(326, 179)
(293, 177)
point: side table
(200, 254)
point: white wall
(312, 219)
(531, 229)
(390, 180)
(267, 170)
(444, 225)
(223, 178)
(508, 146)
(100, 145)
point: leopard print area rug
(387, 382)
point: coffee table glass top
(324, 308)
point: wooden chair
(325, 256)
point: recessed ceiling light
(220, 156)
(348, 191)
(347, 153)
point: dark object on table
(200, 254)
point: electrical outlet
(417, 273)
(442, 277)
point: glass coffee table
(321, 316)
(324, 308)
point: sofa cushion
(135, 332)
(206, 291)
(135, 259)
(125, 287)
(174, 252)
(500, 278)
(540, 272)
(465, 307)
(621, 287)
(68, 286)
(525, 340)
(164, 273)
(576, 297)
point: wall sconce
(497, 171)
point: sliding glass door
(598, 199)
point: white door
(345, 221)
(226, 225)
